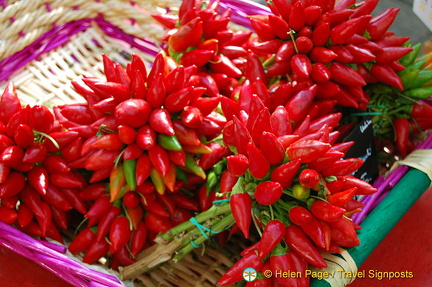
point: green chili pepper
(169, 142)
(408, 78)
(419, 93)
(410, 58)
(129, 169)
(193, 166)
(158, 181)
(423, 77)
(181, 175)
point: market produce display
(228, 133)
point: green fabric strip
(385, 216)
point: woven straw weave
(23, 21)
(48, 80)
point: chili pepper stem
(221, 225)
(50, 138)
(291, 33)
(214, 211)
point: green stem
(214, 211)
(218, 227)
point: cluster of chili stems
(402, 118)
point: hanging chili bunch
(38, 187)
(339, 49)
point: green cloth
(386, 215)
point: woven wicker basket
(44, 45)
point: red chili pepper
(379, 24)
(138, 88)
(12, 156)
(25, 215)
(65, 180)
(298, 242)
(72, 196)
(261, 124)
(386, 75)
(343, 167)
(268, 192)
(72, 151)
(363, 187)
(279, 26)
(10, 202)
(343, 233)
(241, 136)
(108, 142)
(301, 66)
(13, 185)
(272, 235)
(82, 241)
(99, 208)
(343, 197)
(272, 148)
(309, 178)
(325, 160)
(285, 173)
(156, 224)
(307, 150)
(282, 8)
(56, 198)
(345, 75)
(227, 182)
(234, 274)
(342, 33)
(126, 134)
(320, 73)
(185, 202)
(59, 218)
(191, 117)
(258, 164)
(297, 17)
(280, 260)
(188, 35)
(38, 178)
(106, 222)
(241, 205)
(24, 136)
(159, 158)
(8, 215)
(254, 68)
(101, 159)
(119, 234)
(300, 215)
(138, 239)
(160, 121)
(326, 211)
(146, 137)
(280, 122)
(133, 112)
(4, 172)
(9, 103)
(54, 163)
(298, 106)
(96, 250)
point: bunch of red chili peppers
(226, 131)
(402, 118)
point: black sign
(363, 148)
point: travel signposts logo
(249, 274)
